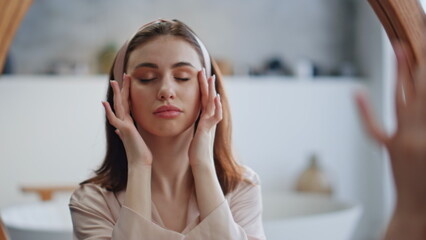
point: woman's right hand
(406, 147)
(136, 149)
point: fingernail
(124, 76)
(214, 77)
(218, 95)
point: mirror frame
(404, 20)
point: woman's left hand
(201, 148)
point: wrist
(203, 166)
(139, 161)
(203, 171)
(137, 167)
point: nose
(166, 90)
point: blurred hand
(407, 145)
(136, 150)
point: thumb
(118, 132)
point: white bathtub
(299, 216)
(289, 216)
(39, 221)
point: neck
(171, 172)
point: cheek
(139, 100)
(194, 95)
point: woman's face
(164, 90)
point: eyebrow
(153, 65)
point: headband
(118, 70)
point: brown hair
(112, 174)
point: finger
(203, 88)
(404, 59)
(130, 95)
(212, 94)
(118, 132)
(118, 106)
(125, 92)
(219, 111)
(402, 75)
(112, 119)
(367, 118)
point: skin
(167, 162)
(406, 148)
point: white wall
(51, 132)
(278, 124)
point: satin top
(100, 214)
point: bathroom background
(292, 68)
(60, 34)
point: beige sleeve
(93, 219)
(239, 220)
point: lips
(167, 108)
(167, 111)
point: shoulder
(248, 186)
(92, 194)
(91, 202)
(250, 175)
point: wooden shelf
(45, 193)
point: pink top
(100, 214)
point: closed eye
(182, 79)
(145, 80)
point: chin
(168, 131)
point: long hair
(112, 174)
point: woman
(169, 171)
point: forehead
(164, 51)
